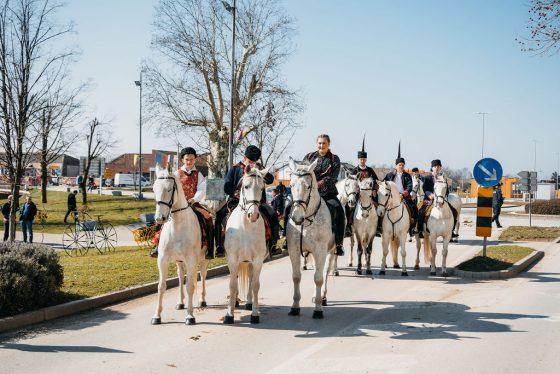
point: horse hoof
(359, 271)
(404, 274)
(416, 267)
(237, 303)
(324, 301)
(432, 273)
(190, 321)
(336, 273)
(304, 267)
(180, 306)
(369, 272)
(255, 319)
(228, 320)
(381, 272)
(156, 321)
(294, 312)
(396, 266)
(349, 264)
(248, 306)
(203, 304)
(444, 274)
(318, 314)
(410, 240)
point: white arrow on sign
(491, 176)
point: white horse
(245, 244)
(180, 241)
(348, 190)
(365, 223)
(440, 224)
(396, 222)
(309, 230)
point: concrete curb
(510, 272)
(78, 306)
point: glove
(320, 184)
(406, 194)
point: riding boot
(349, 220)
(454, 212)
(154, 252)
(420, 223)
(209, 241)
(379, 229)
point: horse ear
(158, 169)
(292, 164)
(347, 173)
(248, 169)
(169, 167)
(264, 171)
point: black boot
(209, 254)
(220, 252)
(154, 252)
(339, 250)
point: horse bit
(172, 200)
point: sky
(414, 71)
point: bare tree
(28, 65)
(99, 141)
(191, 86)
(544, 27)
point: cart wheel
(75, 241)
(105, 238)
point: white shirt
(398, 182)
(200, 187)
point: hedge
(544, 207)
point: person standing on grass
(27, 213)
(6, 213)
(72, 206)
(497, 202)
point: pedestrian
(6, 213)
(72, 206)
(79, 181)
(27, 214)
(277, 202)
(497, 202)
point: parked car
(128, 180)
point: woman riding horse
(232, 185)
(326, 173)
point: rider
(403, 180)
(428, 186)
(362, 171)
(326, 173)
(194, 188)
(232, 188)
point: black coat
(31, 213)
(6, 210)
(278, 204)
(326, 172)
(232, 182)
(71, 201)
(428, 186)
(497, 199)
(406, 180)
(364, 173)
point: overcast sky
(417, 71)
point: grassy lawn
(519, 233)
(117, 210)
(96, 274)
(498, 258)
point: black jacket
(364, 173)
(428, 186)
(233, 178)
(31, 213)
(278, 204)
(71, 201)
(497, 199)
(6, 210)
(406, 180)
(326, 172)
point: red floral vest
(189, 183)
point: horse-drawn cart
(144, 232)
(86, 233)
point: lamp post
(232, 10)
(139, 84)
(557, 170)
(483, 115)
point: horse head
(252, 186)
(366, 198)
(440, 190)
(383, 196)
(351, 188)
(303, 185)
(166, 193)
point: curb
(510, 272)
(78, 306)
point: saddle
(267, 226)
(410, 214)
(201, 214)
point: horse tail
(427, 249)
(394, 250)
(243, 278)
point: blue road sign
(487, 172)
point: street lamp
(139, 84)
(557, 169)
(232, 10)
(483, 115)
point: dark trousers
(27, 229)
(205, 221)
(496, 216)
(422, 216)
(349, 216)
(70, 210)
(6, 230)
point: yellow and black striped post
(484, 214)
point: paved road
(381, 324)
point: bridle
(348, 194)
(170, 203)
(442, 196)
(368, 208)
(247, 204)
(387, 210)
(305, 204)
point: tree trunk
(84, 190)
(218, 162)
(14, 209)
(44, 180)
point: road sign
(484, 211)
(108, 173)
(487, 172)
(528, 181)
(215, 189)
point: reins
(388, 210)
(305, 205)
(172, 200)
(247, 204)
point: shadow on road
(540, 277)
(59, 348)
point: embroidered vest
(189, 183)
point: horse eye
(246, 187)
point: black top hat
(414, 170)
(363, 153)
(436, 162)
(399, 158)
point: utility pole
(483, 115)
(233, 10)
(139, 84)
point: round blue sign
(487, 172)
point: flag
(169, 160)
(135, 160)
(158, 158)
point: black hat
(436, 162)
(414, 170)
(187, 151)
(363, 153)
(253, 153)
(399, 158)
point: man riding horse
(194, 188)
(232, 186)
(326, 173)
(428, 186)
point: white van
(127, 180)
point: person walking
(27, 213)
(6, 213)
(72, 206)
(497, 202)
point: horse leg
(320, 260)
(249, 303)
(331, 263)
(402, 243)
(360, 251)
(444, 254)
(433, 247)
(305, 261)
(203, 274)
(163, 266)
(395, 252)
(181, 274)
(233, 272)
(255, 286)
(295, 259)
(368, 258)
(418, 246)
(351, 252)
(385, 245)
(191, 287)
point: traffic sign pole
(529, 184)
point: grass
(96, 274)
(518, 233)
(498, 258)
(117, 210)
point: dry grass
(534, 233)
(497, 258)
